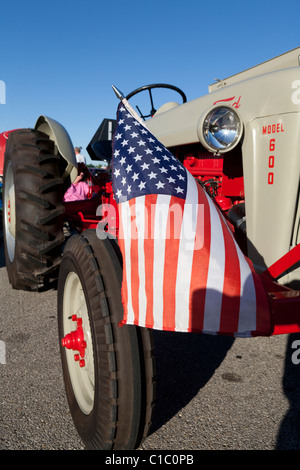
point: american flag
(182, 269)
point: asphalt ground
(213, 393)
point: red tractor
(240, 142)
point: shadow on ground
(184, 364)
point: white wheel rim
(82, 378)
(9, 208)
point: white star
(129, 189)
(141, 142)
(173, 167)
(163, 170)
(127, 128)
(148, 151)
(159, 185)
(118, 136)
(128, 168)
(137, 157)
(181, 177)
(152, 175)
(145, 166)
(166, 158)
(150, 139)
(123, 180)
(143, 131)
(171, 180)
(142, 185)
(131, 149)
(117, 172)
(179, 190)
(155, 160)
(123, 160)
(119, 193)
(135, 176)
(158, 149)
(134, 134)
(124, 142)
(116, 153)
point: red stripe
(171, 259)
(200, 265)
(229, 320)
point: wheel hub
(76, 342)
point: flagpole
(122, 98)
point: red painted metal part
(76, 342)
(3, 140)
(284, 302)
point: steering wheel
(149, 88)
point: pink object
(77, 192)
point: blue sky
(60, 58)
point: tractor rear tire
(110, 388)
(32, 210)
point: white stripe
(215, 278)
(124, 210)
(247, 315)
(159, 235)
(185, 255)
(140, 222)
(247, 311)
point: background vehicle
(240, 141)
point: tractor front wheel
(107, 369)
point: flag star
(134, 134)
(123, 181)
(152, 175)
(145, 166)
(129, 189)
(118, 136)
(173, 167)
(117, 172)
(131, 150)
(166, 158)
(148, 151)
(158, 149)
(150, 139)
(159, 185)
(121, 121)
(116, 153)
(128, 168)
(156, 160)
(142, 185)
(124, 142)
(135, 176)
(141, 142)
(163, 170)
(119, 193)
(171, 180)
(143, 131)
(179, 190)
(127, 128)
(181, 177)
(123, 160)
(137, 157)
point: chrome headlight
(221, 129)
